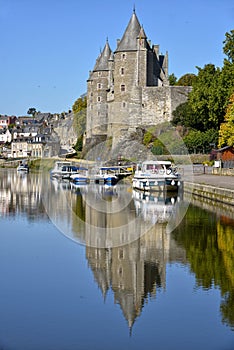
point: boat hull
(157, 184)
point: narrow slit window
(122, 88)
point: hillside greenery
(79, 122)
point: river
(96, 267)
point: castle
(129, 88)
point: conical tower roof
(142, 34)
(102, 61)
(129, 39)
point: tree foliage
(187, 80)
(201, 142)
(206, 108)
(172, 79)
(32, 111)
(203, 100)
(226, 132)
(79, 110)
(228, 47)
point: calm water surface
(107, 268)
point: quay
(213, 188)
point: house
(19, 148)
(5, 121)
(226, 155)
(27, 131)
(44, 146)
(5, 136)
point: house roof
(129, 39)
(223, 148)
(102, 60)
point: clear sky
(47, 47)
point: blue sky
(47, 47)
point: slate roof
(102, 60)
(129, 39)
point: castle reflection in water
(124, 233)
(128, 235)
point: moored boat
(23, 168)
(57, 170)
(156, 176)
(80, 176)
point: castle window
(99, 85)
(121, 253)
(99, 98)
(124, 104)
(120, 271)
(123, 56)
(99, 74)
(122, 71)
(122, 88)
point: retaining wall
(210, 193)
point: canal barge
(156, 175)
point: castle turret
(126, 105)
(98, 83)
(142, 59)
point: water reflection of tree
(210, 251)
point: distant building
(5, 121)
(5, 136)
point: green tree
(32, 111)
(228, 47)
(200, 142)
(172, 79)
(203, 99)
(187, 80)
(226, 131)
(79, 110)
(182, 115)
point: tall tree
(79, 110)
(226, 132)
(172, 79)
(203, 98)
(32, 111)
(228, 47)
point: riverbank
(214, 188)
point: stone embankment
(212, 188)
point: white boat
(23, 168)
(67, 171)
(63, 170)
(56, 171)
(80, 176)
(104, 175)
(156, 176)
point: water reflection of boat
(157, 207)
(61, 184)
(156, 176)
